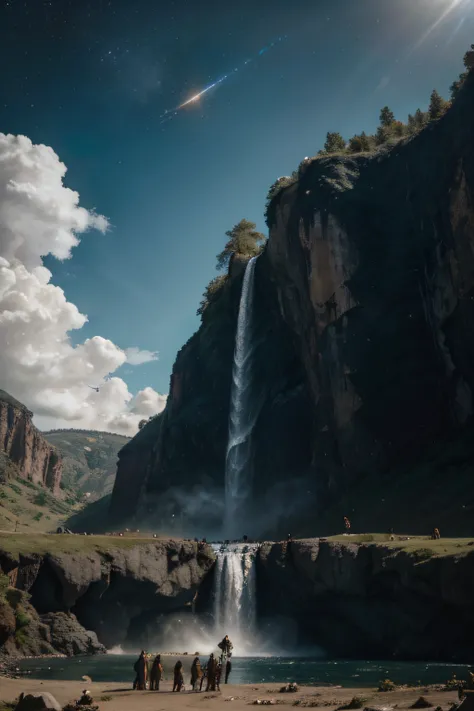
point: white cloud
(135, 356)
(38, 363)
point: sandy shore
(120, 697)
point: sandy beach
(120, 697)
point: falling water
(241, 418)
(235, 596)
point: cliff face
(373, 263)
(119, 593)
(368, 601)
(25, 446)
(363, 354)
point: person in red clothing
(347, 524)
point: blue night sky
(91, 79)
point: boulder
(37, 702)
(69, 637)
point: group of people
(148, 676)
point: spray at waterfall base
(230, 608)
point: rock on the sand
(37, 702)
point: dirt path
(119, 697)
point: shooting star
(171, 113)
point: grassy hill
(30, 508)
(89, 459)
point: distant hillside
(28, 507)
(89, 459)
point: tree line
(389, 129)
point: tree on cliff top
(469, 64)
(244, 240)
(387, 117)
(210, 292)
(334, 143)
(437, 106)
(360, 143)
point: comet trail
(172, 113)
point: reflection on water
(247, 670)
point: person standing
(211, 673)
(156, 673)
(141, 670)
(178, 680)
(196, 673)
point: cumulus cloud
(135, 356)
(38, 363)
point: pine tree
(334, 143)
(412, 127)
(387, 117)
(437, 106)
(420, 118)
(382, 135)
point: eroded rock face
(37, 460)
(108, 592)
(368, 600)
(68, 637)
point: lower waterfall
(234, 606)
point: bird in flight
(93, 388)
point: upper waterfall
(241, 416)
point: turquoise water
(254, 670)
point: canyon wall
(368, 601)
(364, 310)
(120, 592)
(36, 459)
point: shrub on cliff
(334, 143)
(360, 143)
(210, 293)
(243, 239)
(469, 64)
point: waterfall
(241, 417)
(235, 596)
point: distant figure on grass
(347, 524)
(178, 680)
(196, 673)
(436, 535)
(140, 668)
(228, 669)
(211, 673)
(156, 673)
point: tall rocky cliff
(36, 459)
(364, 353)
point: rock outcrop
(36, 459)
(113, 591)
(364, 314)
(368, 601)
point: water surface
(256, 670)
